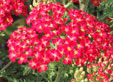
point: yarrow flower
(9, 7)
(23, 40)
(52, 38)
(96, 3)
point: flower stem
(63, 2)
(83, 4)
(58, 75)
(6, 66)
(68, 4)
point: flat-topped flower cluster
(52, 37)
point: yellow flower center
(68, 48)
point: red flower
(95, 2)
(42, 67)
(22, 59)
(67, 60)
(76, 1)
(33, 64)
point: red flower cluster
(6, 7)
(94, 2)
(101, 71)
(47, 19)
(52, 37)
(87, 37)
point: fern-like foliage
(107, 8)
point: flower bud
(73, 65)
(89, 70)
(109, 66)
(82, 74)
(95, 68)
(72, 80)
(34, 3)
(66, 75)
(77, 74)
(105, 58)
(71, 71)
(100, 60)
(82, 80)
(78, 80)
(86, 80)
(81, 69)
(31, 7)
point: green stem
(87, 4)
(2, 40)
(7, 32)
(58, 75)
(67, 5)
(83, 4)
(60, 65)
(6, 66)
(63, 2)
